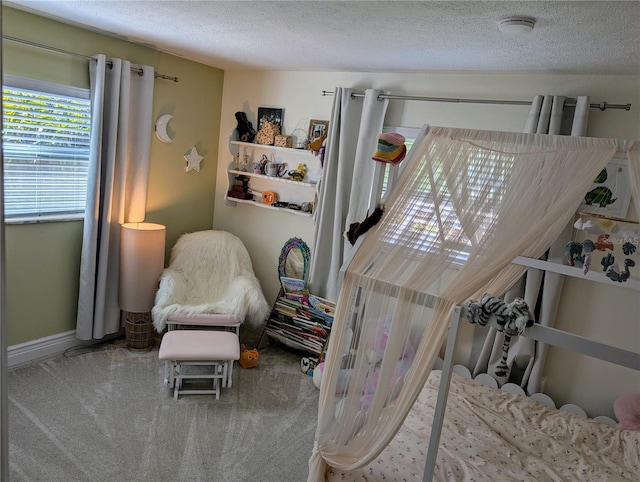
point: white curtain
(347, 181)
(523, 361)
(121, 122)
(4, 411)
(467, 203)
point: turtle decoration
(602, 177)
(600, 195)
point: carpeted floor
(104, 414)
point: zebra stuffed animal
(512, 319)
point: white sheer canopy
(467, 203)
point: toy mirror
(294, 259)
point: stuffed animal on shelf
(246, 132)
(299, 172)
(248, 358)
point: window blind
(428, 220)
(46, 152)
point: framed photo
(610, 193)
(275, 116)
(317, 129)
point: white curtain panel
(121, 122)
(525, 358)
(4, 425)
(347, 181)
(467, 203)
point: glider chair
(209, 284)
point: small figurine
(573, 252)
(628, 248)
(607, 261)
(588, 246)
(603, 243)
(623, 275)
(246, 132)
(307, 365)
(586, 263)
(299, 173)
(248, 358)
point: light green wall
(43, 259)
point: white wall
(299, 93)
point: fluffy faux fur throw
(209, 272)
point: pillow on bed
(627, 410)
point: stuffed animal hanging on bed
(358, 229)
(512, 319)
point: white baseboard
(42, 348)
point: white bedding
(493, 435)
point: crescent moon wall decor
(161, 128)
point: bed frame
(543, 334)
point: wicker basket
(138, 330)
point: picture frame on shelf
(610, 193)
(269, 114)
(317, 129)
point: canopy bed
(501, 434)
(467, 204)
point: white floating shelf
(273, 178)
(592, 275)
(303, 152)
(260, 204)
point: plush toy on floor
(248, 358)
(307, 365)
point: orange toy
(248, 358)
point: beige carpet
(104, 414)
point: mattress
(493, 435)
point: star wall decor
(193, 160)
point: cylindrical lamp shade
(141, 264)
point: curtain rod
(601, 106)
(74, 54)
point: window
(46, 135)
(433, 224)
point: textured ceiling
(574, 37)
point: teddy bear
(248, 358)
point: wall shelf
(232, 201)
(575, 272)
(272, 178)
(302, 152)
(287, 189)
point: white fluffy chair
(209, 275)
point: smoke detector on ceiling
(516, 25)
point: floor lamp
(142, 248)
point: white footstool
(215, 349)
